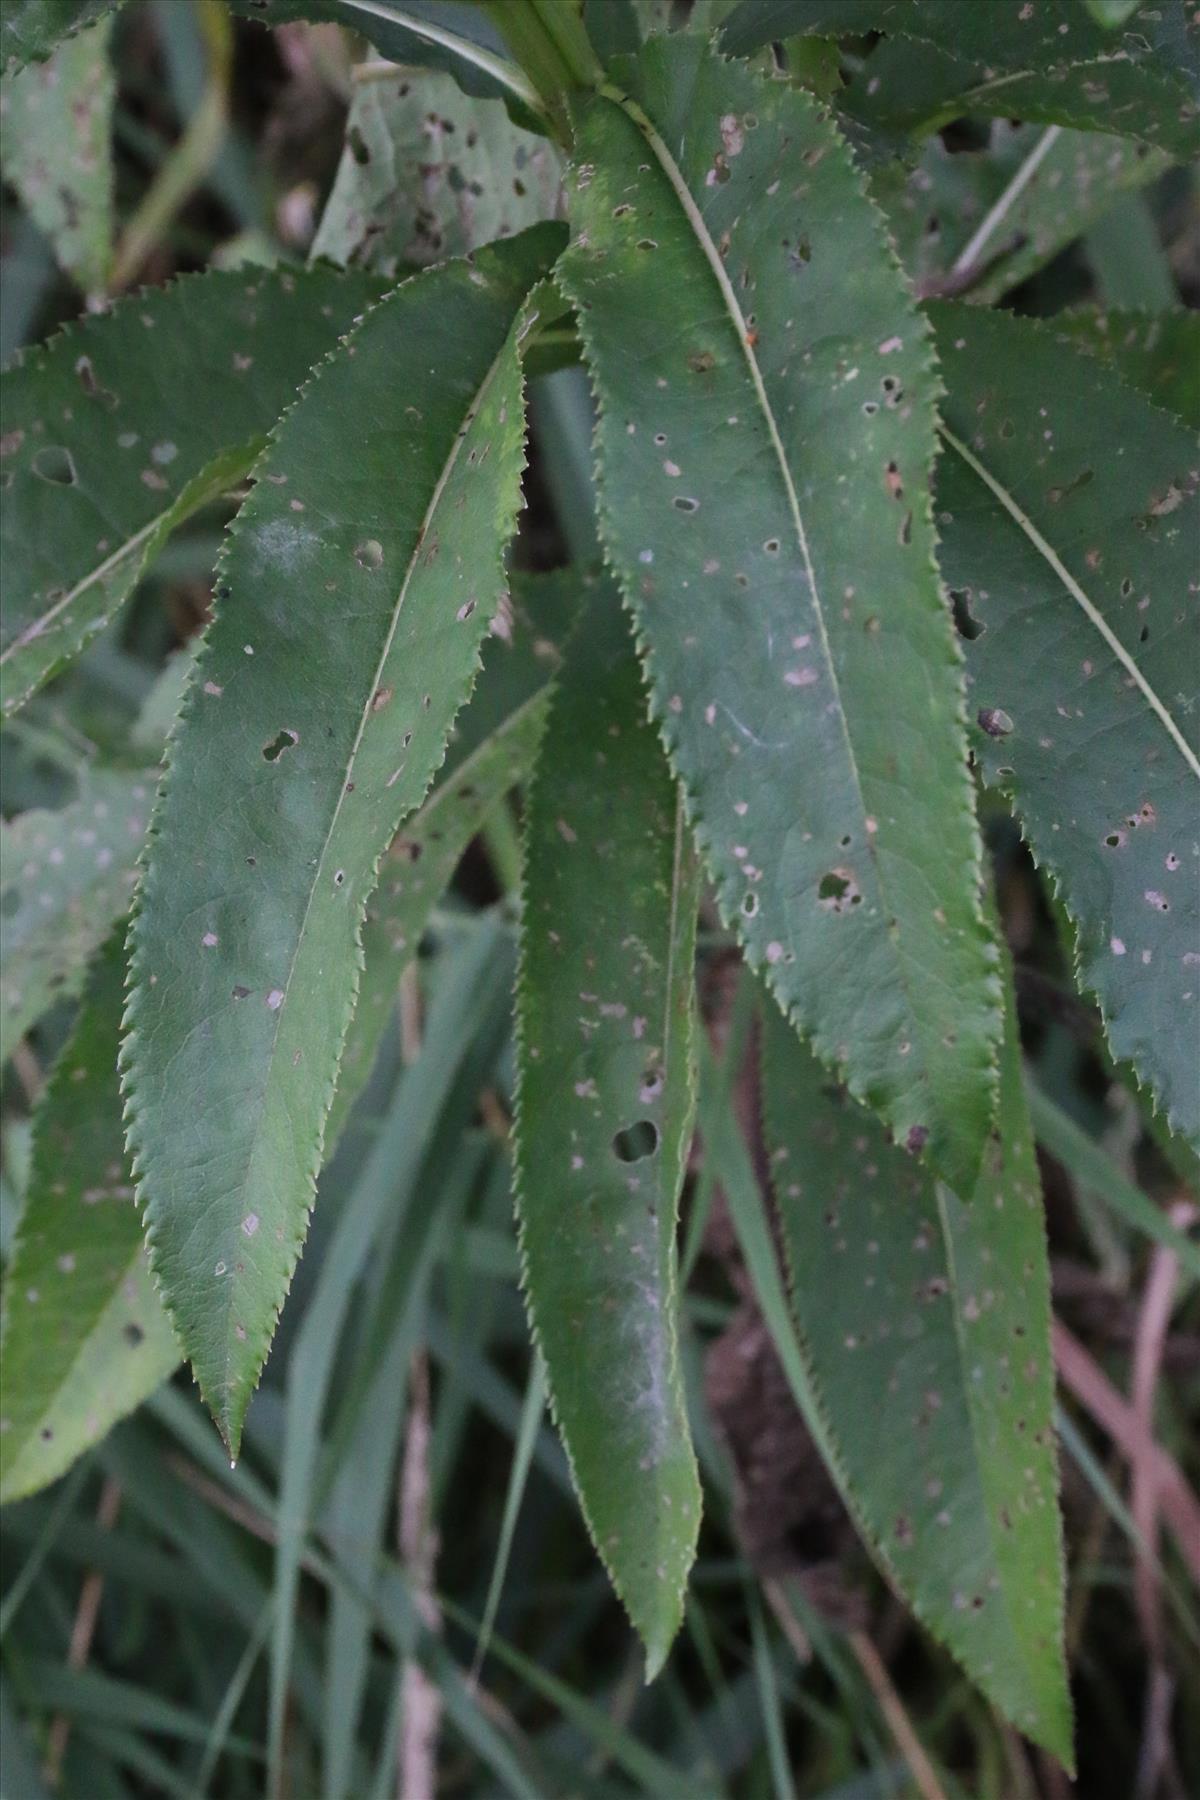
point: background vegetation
(396, 1571)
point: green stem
(547, 38)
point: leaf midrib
(1077, 592)
(703, 237)
(448, 467)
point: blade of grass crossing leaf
(764, 443)
(768, 1700)
(475, 989)
(85, 1338)
(1084, 1159)
(363, 1485)
(1072, 572)
(164, 402)
(324, 736)
(604, 1112)
(532, 1410)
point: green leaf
(85, 1338)
(67, 877)
(604, 1115)
(31, 30)
(986, 220)
(55, 150)
(354, 591)
(429, 173)
(123, 425)
(925, 1334)
(1072, 564)
(1053, 64)
(416, 872)
(1111, 13)
(765, 438)
(1156, 352)
(426, 34)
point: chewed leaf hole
(369, 554)
(965, 623)
(278, 744)
(838, 891)
(55, 465)
(636, 1142)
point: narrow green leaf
(1156, 352)
(428, 173)
(352, 597)
(67, 876)
(604, 1115)
(765, 438)
(1110, 13)
(1072, 570)
(426, 34)
(31, 30)
(1053, 63)
(416, 872)
(124, 424)
(986, 220)
(1092, 1166)
(85, 1338)
(55, 151)
(925, 1331)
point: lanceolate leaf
(30, 30)
(85, 1337)
(57, 120)
(983, 221)
(356, 585)
(1068, 510)
(1156, 352)
(67, 876)
(1051, 62)
(121, 426)
(429, 173)
(765, 438)
(605, 1103)
(925, 1329)
(416, 872)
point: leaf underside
(55, 150)
(1096, 651)
(351, 599)
(1050, 62)
(67, 877)
(765, 439)
(85, 1336)
(925, 1327)
(428, 172)
(125, 423)
(605, 1106)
